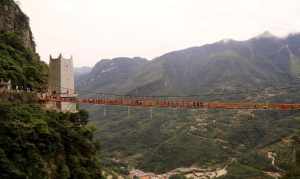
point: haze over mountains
(264, 68)
(82, 70)
(258, 62)
(37, 141)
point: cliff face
(12, 19)
(19, 61)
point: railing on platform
(163, 103)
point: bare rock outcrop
(12, 19)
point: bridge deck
(162, 103)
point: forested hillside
(259, 62)
(262, 69)
(39, 144)
(35, 143)
(21, 65)
(19, 61)
(109, 75)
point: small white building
(5, 85)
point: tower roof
(61, 57)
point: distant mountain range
(82, 70)
(109, 75)
(264, 68)
(258, 62)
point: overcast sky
(91, 30)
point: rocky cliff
(19, 61)
(36, 143)
(12, 19)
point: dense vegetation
(261, 69)
(260, 62)
(177, 138)
(39, 144)
(20, 65)
(6, 2)
(177, 176)
(35, 143)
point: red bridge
(151, 102)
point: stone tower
(61, 83)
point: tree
(80, 117)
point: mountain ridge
(259, 60)
(261, 69)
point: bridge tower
(61, 83)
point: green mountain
(260, 62)
(264, 68)
(35, 143)
(19, 61)
(108, 74)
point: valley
(260, 69)
(227, 109)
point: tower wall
(67, 76)
(54, 76)
(61, 82)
